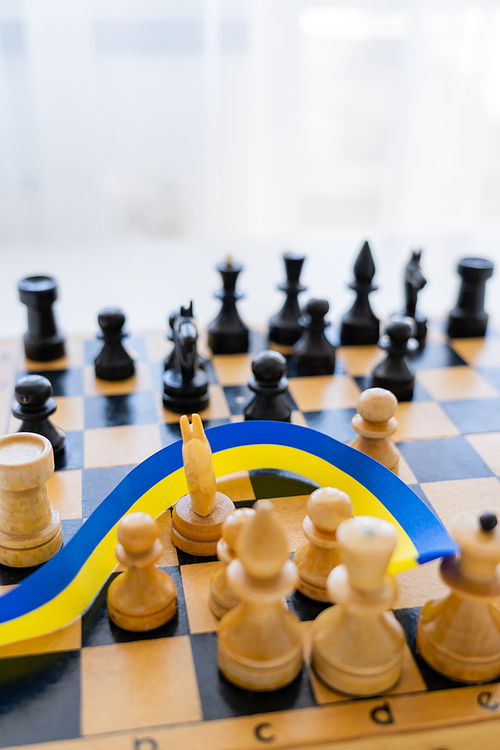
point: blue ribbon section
(420, 523)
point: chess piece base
(26, 550)
(221, 598)
(314, 567)
(360, 334)
(184, 398)
(362, 683)
(463, 327)
(224, 343)
(459, 635)
(198, 535)
(369, 673)
(44, 349)
(254, 674)
(142, 621)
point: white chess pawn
(260, 641)
(357, 647)
(459, 635)
(374, 424)
(222, 597)
(327, 508)
(30, 529)
(143, 597)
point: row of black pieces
(228, 334)
(34, 403)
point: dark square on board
(474, 415)
(40, 698)
(220, 699)
(446, 458)
(99, 630)
(116, 411)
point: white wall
(142, 141)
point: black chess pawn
(414, 282)
(469, 318)
(315, 355)
(360, 326)
(394, 373)
(284, 328)
(269, 385)
(42, 341)
(34, 405)
(113, 361)
(185, 386)
(228, 334)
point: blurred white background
(143, 140)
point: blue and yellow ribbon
(66, 585)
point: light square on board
(237, 486)
(64, 489)
(145, 683)
(140, 381)
(291, 512)
(453, 383)
(119, 446)
(417, 585)
(68, 415)
(196, 585)
(487, 444)
(454, 496)
(477, 351)
(422, 419)
(360, 360)
(169, 556)
(67, 638)
(234, 370)
(324, 392)
(157, 345)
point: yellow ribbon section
(79, 594)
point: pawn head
(233, 525)
(400, 329)
(328, 507)
(317, 308)
(268, 366)
(377, 405)
(111, 320)
(33, 390)
(137, 533)
(366, 545)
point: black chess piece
(315, 355)
(185, 386)
(414, 282)
(42, 341)
(113, 361)
(269, 385)
(34, 405)
(360, 326)
(469, 318)
(394, 373)
(228, 334)
(170, 362)
(284, 328)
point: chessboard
(93, 685)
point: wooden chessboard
(92, 685)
